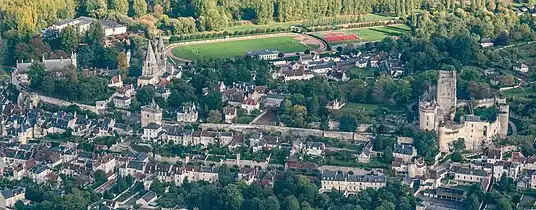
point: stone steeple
(160, 47)
(150, 66)
(161, 56)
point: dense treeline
(69, 84)
(28, 17)
(23, 20)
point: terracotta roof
(249, 101)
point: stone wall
(286, 130)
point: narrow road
(514, 128)
(514, 45)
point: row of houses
(23, 125)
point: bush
(174, 39)
(226, 33)
(456, 157)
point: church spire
(150, 57)
(150, 66)
(160, 47)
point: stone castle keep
(437, 111)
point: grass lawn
(229, 49)
(367, 108)
(361, 73)
(376, 17)
(367, 111)
(520, 92)
(378, 33)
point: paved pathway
(514, 128)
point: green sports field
(369, 34)
(229, 49)
(378, 33)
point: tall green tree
(137, 8)
(69, 39)
(95, 34)
(36, 73)
(291, 203)
(88, 7)
(120, 6)
(348, 123)
(270, 203)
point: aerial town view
(267, 104)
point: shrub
(174, 39)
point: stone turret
(428, 113)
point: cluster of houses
(334, 68)
(447, 180)
(45, 163)
(21, 124)
(310, 66)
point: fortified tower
(502, 117)
(151, 113)
(446, 94)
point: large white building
(350, 184)
(19, 76)
(264, 54)
(469, 176)
(82, 23)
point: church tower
(161, 55)
(150, 65)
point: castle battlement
(490, 102)
(429, 106)
(437, 114)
